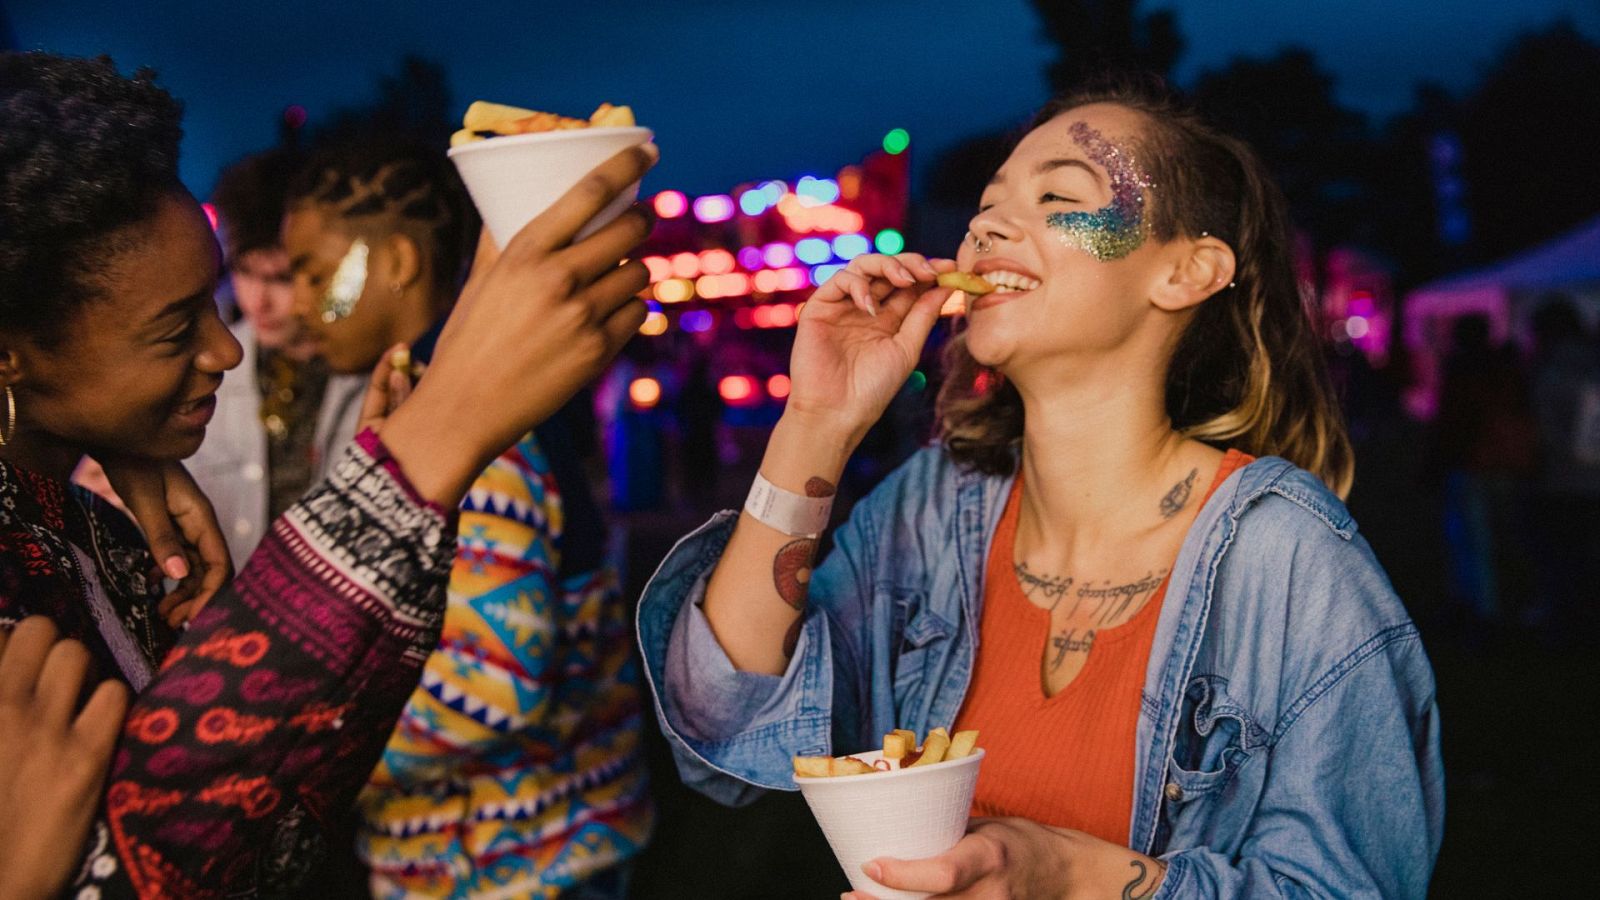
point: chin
(988, 347)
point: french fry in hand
(896, 745)
(934, 748)
(962, 744)
(965, 281)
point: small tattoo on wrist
(819, 488)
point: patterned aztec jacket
(263, 719)
(515, 770)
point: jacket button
(1173, 792)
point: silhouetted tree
(1103, 36)
(415, 101)
(1531, 136)
(1319, 150)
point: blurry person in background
(699, 414)
(1566, 403)
(258, 456)
(1484, 449)
(515, 769)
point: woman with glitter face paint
(1125, 562)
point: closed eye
(1055, 198)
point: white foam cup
(910, 813)
(514, 178)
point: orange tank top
(1065, 760)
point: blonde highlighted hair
(1248, 371)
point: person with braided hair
(515, 768)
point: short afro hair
(250, 196)
(85, 152)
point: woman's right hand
(859, 338)
(546, 319)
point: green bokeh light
(896, 141)
(889, 241)
(917, 382)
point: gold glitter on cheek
(349, 282)
(1118, 228)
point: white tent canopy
(1509, 291)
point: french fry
(962, 744)
(464, 136)
(896, 745)
(813, 766)
(485, 116)
(849, 765)
(934, 748)
(608, 116)
(965, 281)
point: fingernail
(872, 307)
(873, 870)
(176, 568)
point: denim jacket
(1288, 741)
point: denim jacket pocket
(921, 648)
(1216, 736)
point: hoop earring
(11, 417)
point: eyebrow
(179, 306)
(1050, 165)
(299, 262)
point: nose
(220, 350)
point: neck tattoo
(1177, 498)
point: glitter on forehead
(349, 281)
(1118, 228)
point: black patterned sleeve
(267, 718)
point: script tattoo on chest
(1044, 585)
(1177, 498)
(1070, 641)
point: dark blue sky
(735, 90)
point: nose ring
(979, 244)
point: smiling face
(1070, 249)
(137, 368)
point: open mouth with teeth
(1005, 282)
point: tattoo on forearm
(792, 638)
(1140, 879)
(1177, 498)
(1045, 585)
(1069, 642)
(820, 487)
(791, 571)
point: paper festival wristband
(793, 514)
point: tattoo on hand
(1047, 585)
(818, 488)
(791, 571)
(1139, 880)
(1069, 642)
(1177, 498)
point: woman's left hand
(181, 528)
(1019, 858)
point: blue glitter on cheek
(1118, 228)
